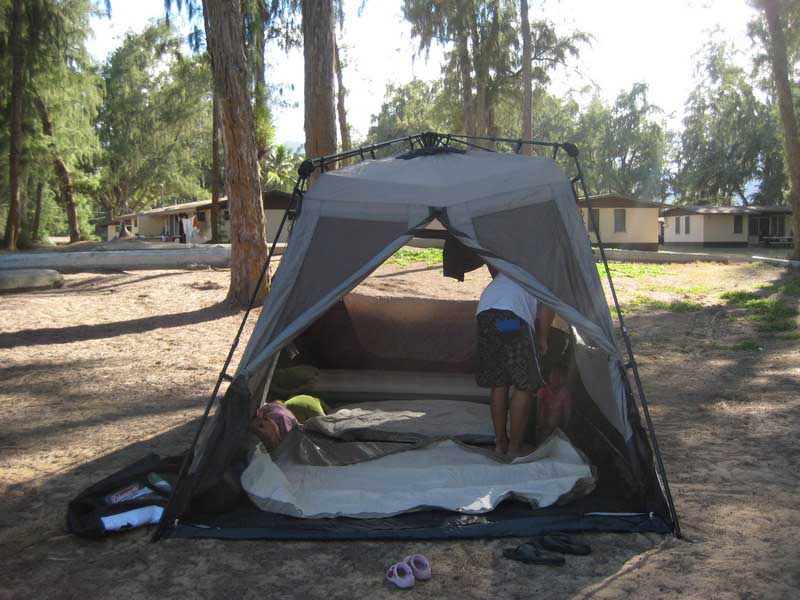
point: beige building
(728, 226)
(113, 227)
(623, 222)
(168, 222)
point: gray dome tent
(519, 214)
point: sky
(654, 41)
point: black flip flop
(532, 553)
(563, 543)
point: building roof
(618, 201)
(726, 210)
(273, 199)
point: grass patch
(684, 306)
(771, 314)
(694, 290)
(789, 335)
(777, 326)
(788, 287)
(738, 297)
(748, 346)
(673, 306)
(634, 270)
(407, 256)
(768, 309)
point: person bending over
(506, 319)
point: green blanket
(304, 407)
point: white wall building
(168, 221)
(623, 222)
(727, 226)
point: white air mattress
(442, 475)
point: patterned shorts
(505, 357)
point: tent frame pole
(632, 365)
(297, 195)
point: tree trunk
(527, 77)
(480, 82)
(15, 151)
(37, 215)
(215, 237)
(780, 73)
(465, 66)
(225, 41)
(344, 130)
(63, 175)
(318, 56)
(260, 107)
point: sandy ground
(112, 366)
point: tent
(519, 214)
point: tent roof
(440, 180)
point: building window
(595, 219)
(738, 223)
(779, 226)
(686, 228)
(619, 220)
(677, 225)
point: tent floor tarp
(510, 519)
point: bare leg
(520, 409)
(498, 399)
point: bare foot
(500, 449)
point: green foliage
(59, 72)
(730, 137)
(483, 61)
(412, 108)
(279, 168)
(622, 146)
(633, 147)
(407, 256)
(155, 122)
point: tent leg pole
(268, 381)
(639, 388)
(165, 517)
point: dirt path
(112, 366)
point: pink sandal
(419, 566)
(401, 575)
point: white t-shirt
(503, 293)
